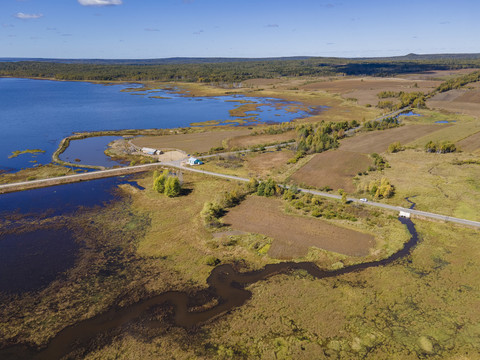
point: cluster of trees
(440, 148)
(225, 70)
(318, 207)
(276, 129)
(213, 210)
(319, 137)
(167, 183)
(387, 123)
(413, 99)
(380, 162)
(380, 189)
(458, 82)
(269, 188)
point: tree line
(227, 72)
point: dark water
(61, 199)
(31, 260)
(37, 114)
(90, 151)
(225, 283)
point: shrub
(210, 214)
(212, 261)
(395, 147)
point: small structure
(151, 151)
(405, 214)
(194, 161)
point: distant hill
(218, 60)
(165, 61)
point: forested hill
(164, 61)
(219, 70)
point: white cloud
(24, 16)
(99, 2)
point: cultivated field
(334, 169)
(436, 184)
(190, 143)
(378, 141)
(365, 89)
(465, 100)
(294, 235)
(245, 141)
(454, 132)
(268, 163)
(471, 143)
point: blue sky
(231, 28)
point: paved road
(178, 164)
(419, 213)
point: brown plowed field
(248, 140)
(335, 169)
(471, 143)
(293, 235)
(365, 89)
(196, 142)
(378, 141)
(262, 165)
(464, 101)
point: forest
(226, 70)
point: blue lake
(37, 114)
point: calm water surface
(37, 114)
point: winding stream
(225, 283)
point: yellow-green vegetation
(37, 172)
(241, 110)
(453, 133)
(418, 309)
(28, 151)
(167, 183)
(177, 233)
(438, 183)
(431, 116)
(206, 123)
(379, 188)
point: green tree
(159, 182)
(172, 186)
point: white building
(194, 161)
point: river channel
(226, 284)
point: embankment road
(27, 185)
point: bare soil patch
(471, 143)
(365, 89)
(172, 156)
(464, 101)
(263, 164)
(335, 169)
(437, 74)
(196, 142)
(378, 141)
(294, 235)
(249, 140)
